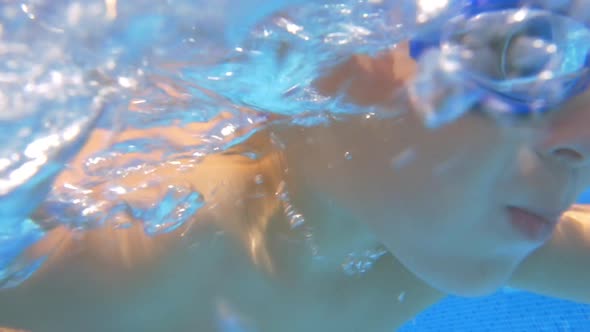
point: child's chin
(472, 284)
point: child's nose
(567, 136)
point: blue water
(92, 66)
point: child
(357, 225)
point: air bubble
(259, 179)
(401, 297)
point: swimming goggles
(529, 58)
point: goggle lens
(531, 57)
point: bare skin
(446, 231)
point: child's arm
(560, 268)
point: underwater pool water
(98, 59)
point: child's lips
(534, 226)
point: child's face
(440, 199)
(454, 225)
